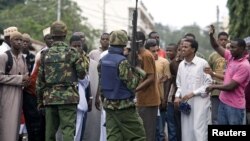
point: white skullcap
(46, 31)
(9, 30)
(247, 40)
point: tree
(34, 16)
(8, 3)
(173, 36)
(239, 23)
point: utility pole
(104, 16)
(217, 16)
(58, 10)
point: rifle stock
(134, 45)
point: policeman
(118, 81)
(61, 67)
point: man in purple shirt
(232, 97)
(247, 89)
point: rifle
(135, 45)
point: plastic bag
(185, 108)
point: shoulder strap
(9, 63)
(30, 60)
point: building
(108, 15)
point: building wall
(118, 15)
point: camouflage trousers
(63, 116)
(124, 125)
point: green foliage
(239, 23)
(173, 36)
(34, 16)
(8, 3)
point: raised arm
(214, 43)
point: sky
(178, 13)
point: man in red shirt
(154, 35)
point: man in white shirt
(192, 83)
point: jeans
(215, 104)
(35, 120)
(171, 123)
(228, 115)
(160, 126)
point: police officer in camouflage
(61, 67)
(118, 81)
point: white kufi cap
(46, 31)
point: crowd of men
(48, 95)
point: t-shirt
(162, 53)
(218, 65)
(150, 95)
(239, 71)
(162, 69)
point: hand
(163, 79)
(90, 105)
(209, 71)
(41, 109)
(26, 80)
(163, 105)
(211, 30)
(26, 77)
(209, 88)
(97, 103)
(39, 106)
(177, 101)
(187, 97)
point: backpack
(9, 63)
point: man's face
(77, 45)
(171, 52)
(126, 51)
(105, 41)
(223, 40)
(16, 42)
(26, 44)
(187, 50)
(48, 40)
(179, 49)
(235, 49)
(154, 50)
(155, 36)
(179, 52)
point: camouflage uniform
(122, 119)
(56, 87)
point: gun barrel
(134, 47)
